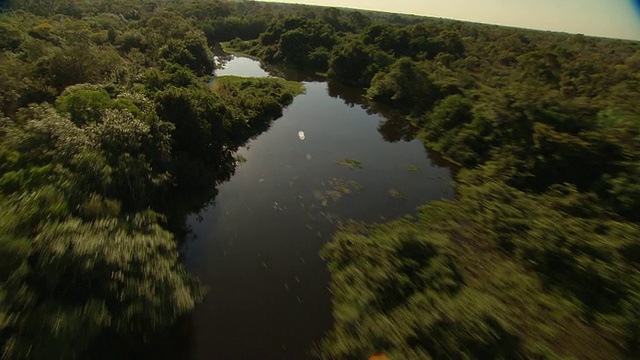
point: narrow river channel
(256, 246)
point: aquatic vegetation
(337, 188)
(240, 159)
(413, 168)
(344, 186)
(396, 194)
(334, 195)
(349, 163)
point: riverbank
(257, 247)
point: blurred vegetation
(538, 257)
(350, 163)
(111, 125)
(110, 134)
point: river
(256, 246)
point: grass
(226, 47)
(239, 82)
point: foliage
(350, 163)
(104, 105)
(356, 63)
(299, 42)
(258, 103)
(499, 274)
(545, 130)
(404, 85)
(85, 277)
(109, 118)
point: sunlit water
(257, 246)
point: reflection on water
(257, 246)
(395, 128)
(239, 66)
(350, 95)
(294, 74)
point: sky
(606, 18)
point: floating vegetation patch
(413, 168)
(240, 159)
(334, 195)
(335, 189)
(397, 194)
(344, 186)
(349, 163)
(318, 195)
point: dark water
(256, 247)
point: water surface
(256, 246)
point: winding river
(256, 246)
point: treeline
(539, 257)
(112, 130)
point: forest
(109, 113)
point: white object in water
(301, 135)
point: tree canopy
(107, 116)
(536, 259)
(110, 110)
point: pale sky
(607, 18)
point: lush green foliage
(108, 116)
(538, 258)
(105, 120)
(498, 274)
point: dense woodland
(108, 113)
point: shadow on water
(169, 344)
(196, 188)
(395, 126)
(350, 95)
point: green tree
(87, 278)
(80, 64)
(406, 85)
(191, 52)
(356, 64)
